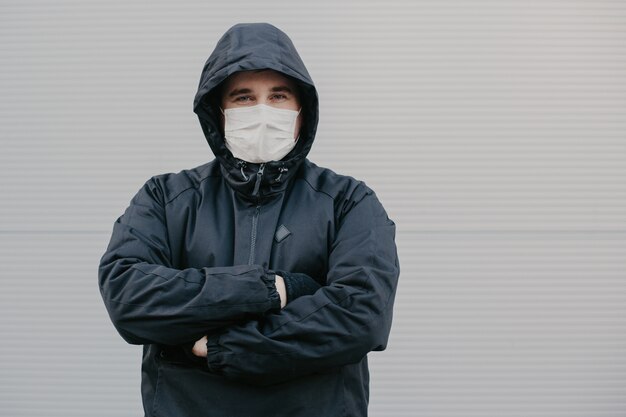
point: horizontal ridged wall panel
(494, 132)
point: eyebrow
(278, 88)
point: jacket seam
(136, 268)
(189, 307)
(156, 389)
(194, 186)
(317, 190)
(303, 318)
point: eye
(279, 96)
(242, 99)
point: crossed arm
(200, 349)
(151, 302)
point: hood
(251, 46)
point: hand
(282, 290)
(199, 348)
(296, 284)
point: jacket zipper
(257, 212)
(255, 222)
(257, 184)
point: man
(257, 282)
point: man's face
(249, 88)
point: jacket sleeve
(337, 325)
(149, 301)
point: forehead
(256, 79)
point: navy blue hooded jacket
(195, 252)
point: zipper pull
(257, 184)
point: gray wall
(492, 131)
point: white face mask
(259, 133)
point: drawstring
(242, 164)
(281, 169)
